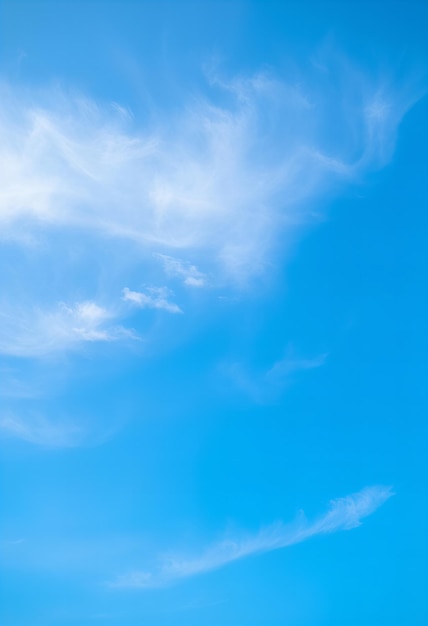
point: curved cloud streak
(343, 514)
(33, 332)
(219, 180)
(210, 195)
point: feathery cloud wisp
(154, 298)
(225, 177)
(282, 369)
(36, 332)
(38, 430)
(263, 387)
(222, 184)
(189, 273)
(344, 514)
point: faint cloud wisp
(344, 514)
(153, 298)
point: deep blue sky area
(213, 305)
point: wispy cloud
(38, 430)
(264, 386)
(189, 273)
(153, 298)
(284, 368)
(226, 176)
(343, 514)
(223, 183)
(46, 428)
(34, 332)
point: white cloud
(344, 514)
(38, 430)
(33, 332)
(35, 422)
(284, 368)
(154, 298)
(264, 386)
(190, 274)
(228, 177)
(222, 184)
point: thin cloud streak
(283, 369)
(344, 514)
(153, 298)
(189, 273)
(55, 430)
(264, 387)
(222, 179)
(34, 332)
(223, 184)
(40, 431)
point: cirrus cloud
(344, 514)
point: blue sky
(213, 313)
